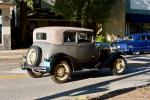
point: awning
(6, 5)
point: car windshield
(84, 37)
(128, 38)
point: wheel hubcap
(119, 65)
(31, 57)
(61, 71)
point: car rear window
(41, 36)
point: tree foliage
(88, 12)
(29, 3)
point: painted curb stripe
(14, 76)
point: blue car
(134, 43)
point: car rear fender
(61, 57)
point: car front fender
(111, 58)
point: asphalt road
(15, 84)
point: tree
(23, 8)
(89, 13)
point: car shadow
(101, 86)
(85, 74)
(131, 68)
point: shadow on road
(102, 86)
(117, 92)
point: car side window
(69, 36)
(148, 37)
(84, 37)
(142, 37)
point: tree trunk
(23, 24)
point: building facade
(127, 17)
(5, 25)
(137, 16)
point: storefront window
(139, 27)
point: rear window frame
(73, 33)
(44, 37)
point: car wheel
(34, 56)
(34, 73)
(119, 66)
(61, 72)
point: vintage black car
(63, 50)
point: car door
(144, 43)
(140, 44)
(85, 47)
(148, 40)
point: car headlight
(130, 46)
(118, 46)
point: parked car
(63, 50)
(134, 43)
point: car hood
(123, 41)
(102, 45)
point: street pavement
(15, 84)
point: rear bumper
(24, 66)
(45, 68)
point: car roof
(62, 29)
(55, 33)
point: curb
(13, 52)
(12, 55)
(8, 58)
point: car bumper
(46, 66)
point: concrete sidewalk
(12, 55)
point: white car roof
(62, 29)
(55, 34)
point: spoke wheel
(61, 72)
(119, 66)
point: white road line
(1, 64)
(16, 71)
